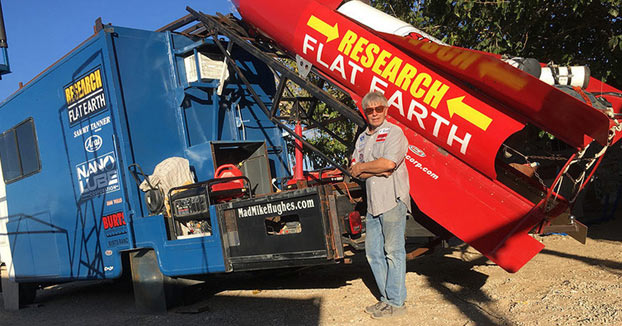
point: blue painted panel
(201, 161)
(121, 98)
(73, 109)
(21, 249)
(158, 129)
(90, 125)
(190, 256)
(251, 123)
(168, 117)
(151, 101)
(200, 112)
(36, 246)
(45, 253)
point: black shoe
(375, 307)
(388, 311)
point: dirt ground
(566, 284)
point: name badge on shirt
(382, 135)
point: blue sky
(39, 32)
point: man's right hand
(385, 174)
(366, 175)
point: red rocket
(456, 106)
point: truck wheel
(16, 294)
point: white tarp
(170, 173)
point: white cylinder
(382, 22)
(570, 75)
(379, 21)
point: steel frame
(215, 27)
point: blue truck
(162, 155)
(157, 154)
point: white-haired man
(379, 159)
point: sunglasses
(378, 109)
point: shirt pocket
(377, 150)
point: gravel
(567, 284)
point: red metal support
(298, 174)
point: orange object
(228, 171)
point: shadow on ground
(459, 284)
(105, 302)
(612, 266)
(112, 303)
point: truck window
(19, 152)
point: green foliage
(567, 32)
(345, 129)
(329, 118)
(544, 134)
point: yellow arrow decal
(331, 32)
(456, 106)
(502, 74)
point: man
(379, 159)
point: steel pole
(3, 43)
(4, 56)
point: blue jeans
(386, 254)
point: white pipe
(379, 21)
(561, 75)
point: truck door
(88, 121)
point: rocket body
(456, 108)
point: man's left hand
(356, 169)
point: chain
(550, 158)
(590, 162)
(526, 158)
(539, 157)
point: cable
(352, 201)
(615, 94)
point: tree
(567, 32)
(331, 120)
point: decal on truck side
(85, 97)
(98, 176)
(93, 143)
(93, 127)
(114, 224)
(279, 208)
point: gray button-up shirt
(389, 142)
